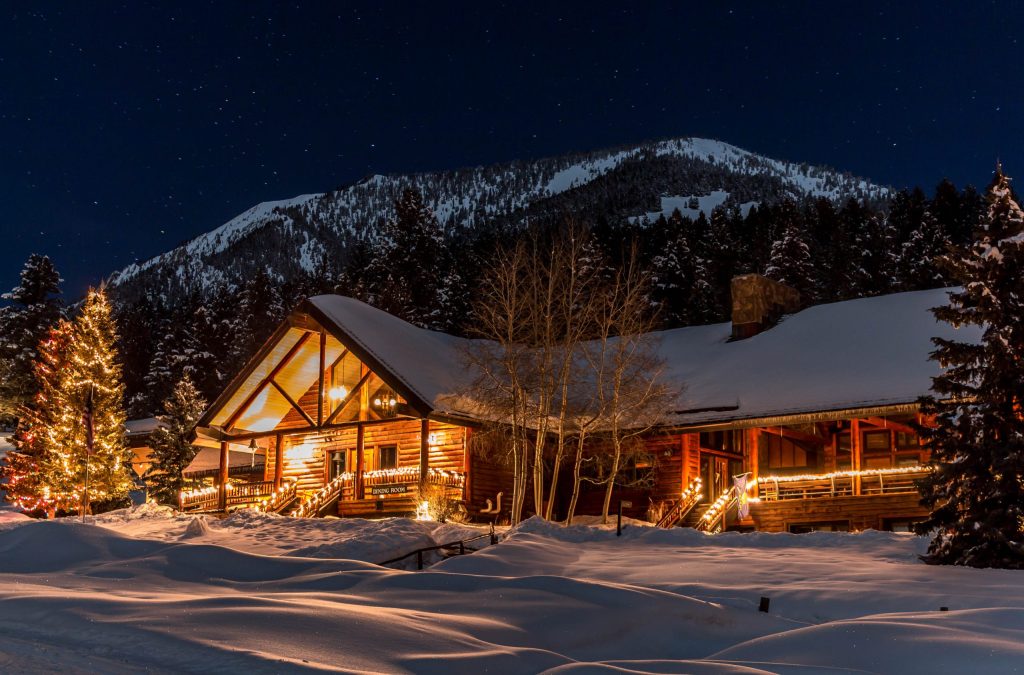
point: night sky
(127, 129)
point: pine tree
(976, 492)
(917, 264)
(25, 483)
(790, 260)
(172, 450)
(408, 274)
(35, 308)
(93, 374)
(673, 274)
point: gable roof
(869, 352)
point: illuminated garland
(761, 480)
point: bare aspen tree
(631, 392)
(501, 359)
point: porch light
(252, 453)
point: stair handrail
(312, 504)
(687, 500)
(284, 495)
(718, 509)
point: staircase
(713, 518)
(682, 506)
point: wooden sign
(389, 489)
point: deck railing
(899, 480)
(201, 499)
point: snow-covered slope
(140, 591)
(314, 231)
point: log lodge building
(346, 409)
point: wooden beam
(856, 452)
(222, 476)
(424, 449)
(278, 460)
(750, 450)
(888, 424)
(344, 402)
(293, 404)
(320, 380)
(270, 376)
(360, 444)
(795, 435)
(467, 465)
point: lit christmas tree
(976, 491)
(93, 389)
(26, 484)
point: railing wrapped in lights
(312, 504)
(199, 499)
(284, 495)
(687, 500)
(711, 520)
(897, 480)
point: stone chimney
(758, 303)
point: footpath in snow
(150, 590)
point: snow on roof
(854, 354)
(429, 363)
(208, 459)
(858, 353)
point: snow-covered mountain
(313, 233)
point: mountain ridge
(314, 231)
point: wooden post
(831, 451)
(278, 460)
(320, 381)
(751, 452)
(856, 453)
(222, 497)
(360, 440)
(424, 449)
(467, 464)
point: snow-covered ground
(148, 590)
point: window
(723, 441)
(877, 449)
(341, 461)
(899, 524)
(844, 458)
(387, 457)
(784, 453)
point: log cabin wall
(853, 513)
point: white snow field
(147, 590)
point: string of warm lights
(894, 471)
(718, 506)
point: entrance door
(714, 471)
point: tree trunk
(577, 465)
(611, 482)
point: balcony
(868, 482)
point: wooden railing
(841, 484)
(249, 493)
(713, 519)
(281, 497)
(687, 500)
(312, 504)
(201, 499)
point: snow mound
(196, 528)
(50, 546)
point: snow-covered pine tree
(673, 274)
(172, 450)
(23, 471)
(976, 491)
(790, 261)
(917, 263)
(92, 370)
(408, 273)
(35, 306)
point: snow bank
(247, 594)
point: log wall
(861, 513)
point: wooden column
(360, 441)
(467, 473)
(222, 475)
(278, 460)
(831, 450)
(751, 452)
(424, 449)
(856, 453)
(320, 381)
